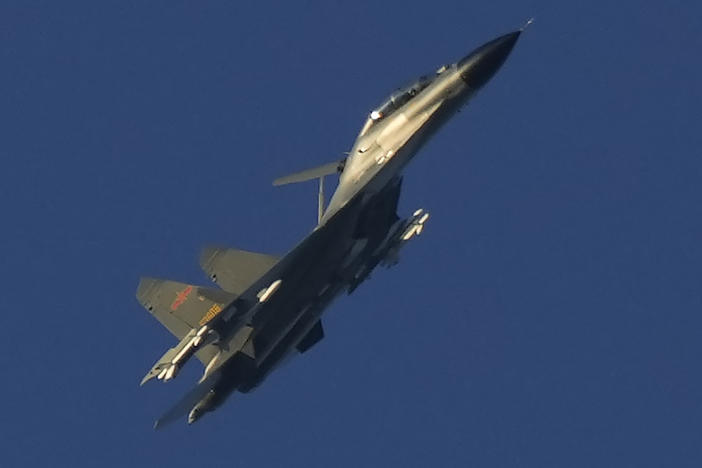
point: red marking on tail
(181, 297)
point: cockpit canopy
(400, 97)
(397, 100)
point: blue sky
(548, 317)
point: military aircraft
(269, 308)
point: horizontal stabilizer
(313, 337)
(313, 173)
(235, 270)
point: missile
(416, 226)
(411, 231)
(168, 367)
(170, 373)
(185, 353)
(233, 345)
(266, 293)
(198, 336)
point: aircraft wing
(292, 269)
(180, 306)
(245, 273)
(235, 270)
(307, 251)
(296, 260)
(182, 309)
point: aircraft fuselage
(359, 224)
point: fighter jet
(269, 308)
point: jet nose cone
(479, 66)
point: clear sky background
(550, 316)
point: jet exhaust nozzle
(479, 66)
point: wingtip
(207, 257)
(145, 288)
